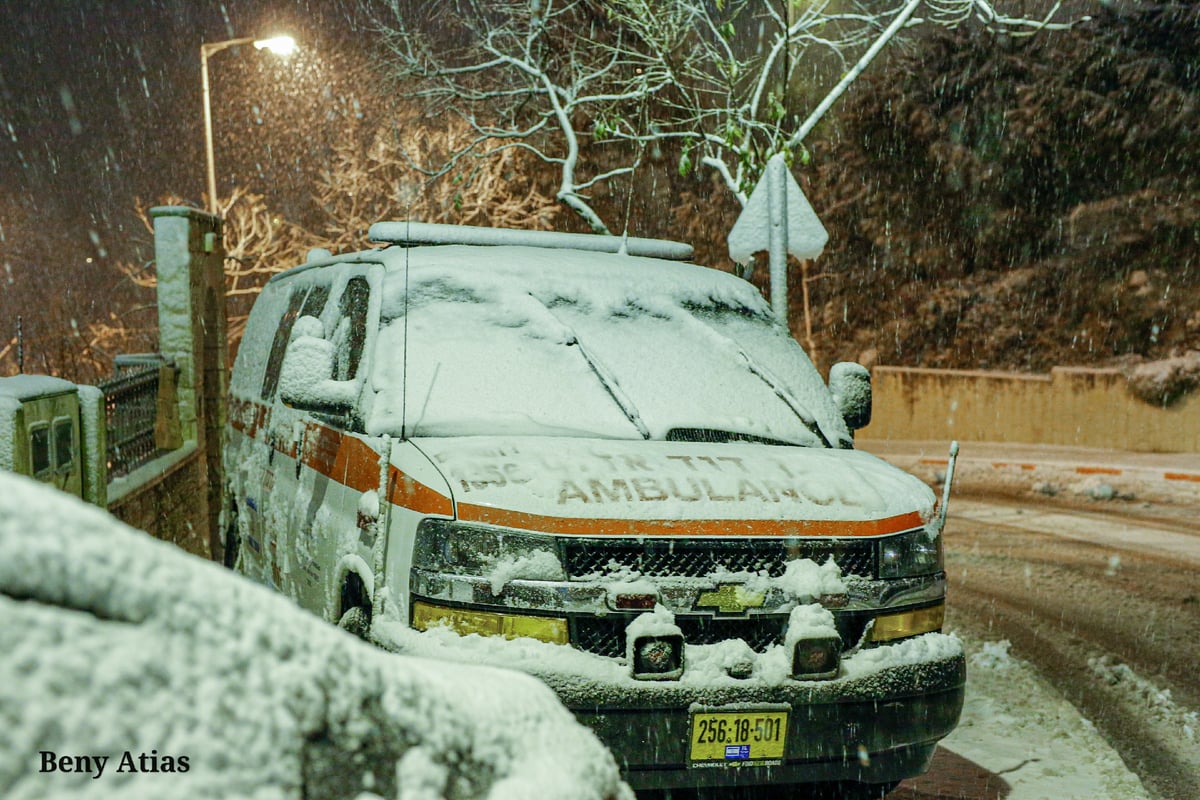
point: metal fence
(131, 411)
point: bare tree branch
(587, 85)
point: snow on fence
(131, 411)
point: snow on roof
(115, 643)
(26, 387)
(407, 232)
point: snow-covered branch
(588, 86)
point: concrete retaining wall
(1070, 406)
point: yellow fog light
(908, 623)
(489, 623)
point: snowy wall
(1070, 406)
(177, 496)
(167, 498)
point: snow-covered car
(613, 470)
(129, 669)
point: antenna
(624, 249)
(404, 348)
(20, 347)
(941, 524)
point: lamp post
(279, 45)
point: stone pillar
(190, 255)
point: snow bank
(1157, 702)
(116, 644)
(1162, 383)
(1016, 725)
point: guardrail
(131, 411)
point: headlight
(457, 549)
(910, 554)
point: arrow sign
(778, 219)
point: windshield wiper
(766, 376)
(602, 374)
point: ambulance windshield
(592, 346)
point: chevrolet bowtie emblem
(730, 598)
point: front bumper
(879, 728)
(878, 722)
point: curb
(1097, 475)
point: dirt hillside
(1014, 203)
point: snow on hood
(563, 479)
(115, 643)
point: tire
(356, 621)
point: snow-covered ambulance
(613, 470)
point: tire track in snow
(1105, 607)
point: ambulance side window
(305, 301)
(350, 336)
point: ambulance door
(262, 444)
(336, 462)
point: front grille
(691, 558)
(605, 636)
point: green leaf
(685, 160)
(775, 109)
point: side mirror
(304, 380)
(850, 385)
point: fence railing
(131, 411)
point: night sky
(100, 103)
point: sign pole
(778, 249)
(777, 218)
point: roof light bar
(418, 233)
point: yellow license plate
(738, 737)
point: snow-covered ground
(1016, 726)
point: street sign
(777, 218)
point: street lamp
(279, 45)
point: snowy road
(1104, 604)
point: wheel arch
(354, 586)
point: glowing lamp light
(279, 45)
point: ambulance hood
(564, 485)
